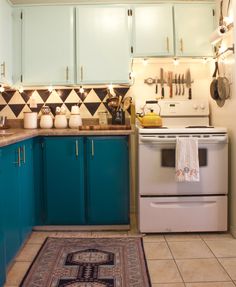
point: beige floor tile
(190, 249)
(201, 270)
(230, 266)
(39, 237)
(163, 271)
(216, 236)
(154, 238)
(211, 284)
(16, 273)
(169, 285)
(182, 237)
(157, 250)
(223, 248)
(28, 252)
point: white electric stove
(169, 206)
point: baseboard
(233, 231)
(81, 228)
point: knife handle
(162, 92)
(189, 93)
(156, 88)
(171, 90)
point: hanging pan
(214, 84)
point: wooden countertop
(22, 134)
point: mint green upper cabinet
(5, 42)
(153, 30)
(102, 43)
(194, 24)
(48, 45)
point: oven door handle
(179, 204)
(210, 140)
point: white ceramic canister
(60, 122)
(75, 121)
(30, 120)
(46, 122)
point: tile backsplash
(93, 100)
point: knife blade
(183, 89)
(179, 83)
(188, 84)
(176, 85)
(156, 81)
(162, 83)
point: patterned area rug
(89, 262)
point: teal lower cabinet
(107, 170)
(2, 259)
(64, 199)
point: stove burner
(199, 127)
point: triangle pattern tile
(16, 108)
(36, 97)
(27, 94)
(121, 91)
(63, 94)
(92, 107)
(8, 113)
(44, 94)
(69, 105)
(73, 98)
(2, 107)
(17, 99)
(92, 98)
(39, 106)
(84, 95)
(101, 108)
(101, 93)
(7, 95)
(2, 100)
(25, 109)
(107, 107)
(53, 107)
(54, 98)
(84, 112)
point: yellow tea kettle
(150, 120)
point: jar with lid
(102, 116)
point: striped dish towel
(186, 160)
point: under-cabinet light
(2, 89)
(176, 61)
(50, 89)
(81, 89)
(21, 90)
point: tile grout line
(219, 261)
(167, 243)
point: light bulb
(176, 61)
(81, 90)
(50, 89)
(110, 87)
(145, 62)
(2, 89)
(21, 90)
(204, 61)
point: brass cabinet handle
(3, 68)
(76, 149)
(92, 147)
(23, 151)
(67, 73)
(167, 44)
(18, 162)
(181, 45)
(81, 73)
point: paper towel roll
(218, 34)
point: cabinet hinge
(21, 15)
(21, 78)
(213, 12)
(132, 49)
(130, 12)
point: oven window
(168, 157)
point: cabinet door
(26, 189)
(5, 42)
(64, 180)
(107, 180)
(194, 24)
(48, 45)
(9, 174)
(153, 30)
(102, 40)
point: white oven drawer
(183, 214)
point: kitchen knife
(179, 83)
(162, 83)
(156, 81)
(188, 84)
(183, 89)
(176, 85)
(170, 78)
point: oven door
(157, 167)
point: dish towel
(186, 160)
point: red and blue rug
(89, 262)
